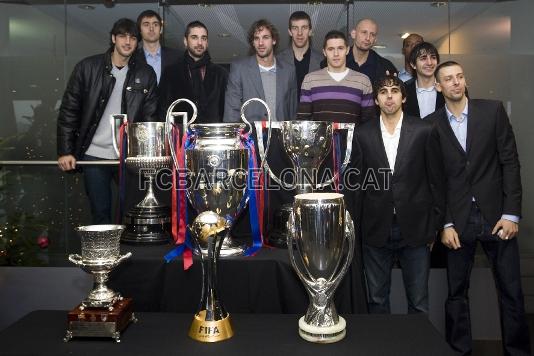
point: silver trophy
(217, 169)
(104, 313)
(321, 246)
(307, 143)
(148, 152)
(100, 254)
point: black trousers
(504, 258)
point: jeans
(415, 263)
(98, 181)
(504, 258)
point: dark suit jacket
(176, 84)
(411, 107)
(413, 190)
(168, 56)
(489, 171)
(244, 82)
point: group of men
(453, 164)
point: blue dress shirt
(154, 61)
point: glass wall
(41, 42)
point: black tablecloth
(41, 333)
(265, 283)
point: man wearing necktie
(483, 203)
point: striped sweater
(324, 99)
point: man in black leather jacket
(102, 85)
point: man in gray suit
(261, 76)
(299, 53)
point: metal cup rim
(100, 228)
(307, 121)
(318, 196)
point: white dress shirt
(426, 98)
(391, 141)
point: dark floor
(494, 348)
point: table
(41, 333)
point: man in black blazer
(151, 52)
(483, 198)
(399, 210)
(422, 98)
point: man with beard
(150, 27)
(99, 86)
(196, 78)
(299, 53)
(399, 215)
(261, 76)
(362, 58)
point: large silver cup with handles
(217, 168)
(307, 144)
(100, 255)
(148, 152)
(321, 247)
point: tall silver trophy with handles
(216, 158)
(321, 247)
(148, 152)
(307, 143)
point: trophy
(148, 152)
(211, 322)
(307, 143)
(321, 246)
(104, 313)
(217, 162)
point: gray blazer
(315, 58)
(244, 82)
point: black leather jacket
(85, 99)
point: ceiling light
(438, 4)
(223, 35)
(86, 7)
(203, 4)
(379, 46)
(405, 35)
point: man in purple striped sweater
(336, 93)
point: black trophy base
(100, 322)
(147, 225)
(277, 236)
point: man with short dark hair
(423, 98)
(300, 53)
(483, 204)
(336, 93)
(261, 76)
(362, 58)
(151, 52)
(399, 215)
(100, 86)
(407, 73)
(195, 77)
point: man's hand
(66, 163)
(449, 237)
(505, 229)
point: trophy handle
(169, 119)
(292, 231)
(348, 151)
(76, 259)
(263, 152)
(116, 120)
(350, 236)
(269, 124)
(122, 258)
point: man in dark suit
(195, 77)
(151, 52)
(300, 54)
(399, 209)
(261, 76)
(422, 98)
(483, 198)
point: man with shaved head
(408, 44)
(362, 58)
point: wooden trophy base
(100, 322)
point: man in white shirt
(399, 198)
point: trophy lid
(319, 196)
